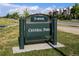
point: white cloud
(9, 5)
(49, 8)
(34, 7)
(46, 10)
(30, 9)
(5, 4)
(20, 10)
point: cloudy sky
(31, 7)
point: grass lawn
(6, 21)
(9, 39)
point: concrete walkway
(72, 30)
(38, 46)
(68, 23)
(12, 25)
(7, 26)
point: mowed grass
(9, 39)
(6, 21)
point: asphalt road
(68, 27)
(68, 23)
(72, 30)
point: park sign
(37, 28)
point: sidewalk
(12, 25)
(72, 30)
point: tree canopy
(25, 13)
(15, 15)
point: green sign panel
(40, 18)
(37, 28)
(38, 31)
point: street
(72, 23)
(68, 27)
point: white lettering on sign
(34, 30)
(35, 18)
(38, 30)
(46, 29)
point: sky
(6, 8)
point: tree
(15, 15)
(7, 16)
(26, 13)
(75, 11)
(60, 16)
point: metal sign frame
(22, 28)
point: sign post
(37, 28)
(54, 31)
(21, 33)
